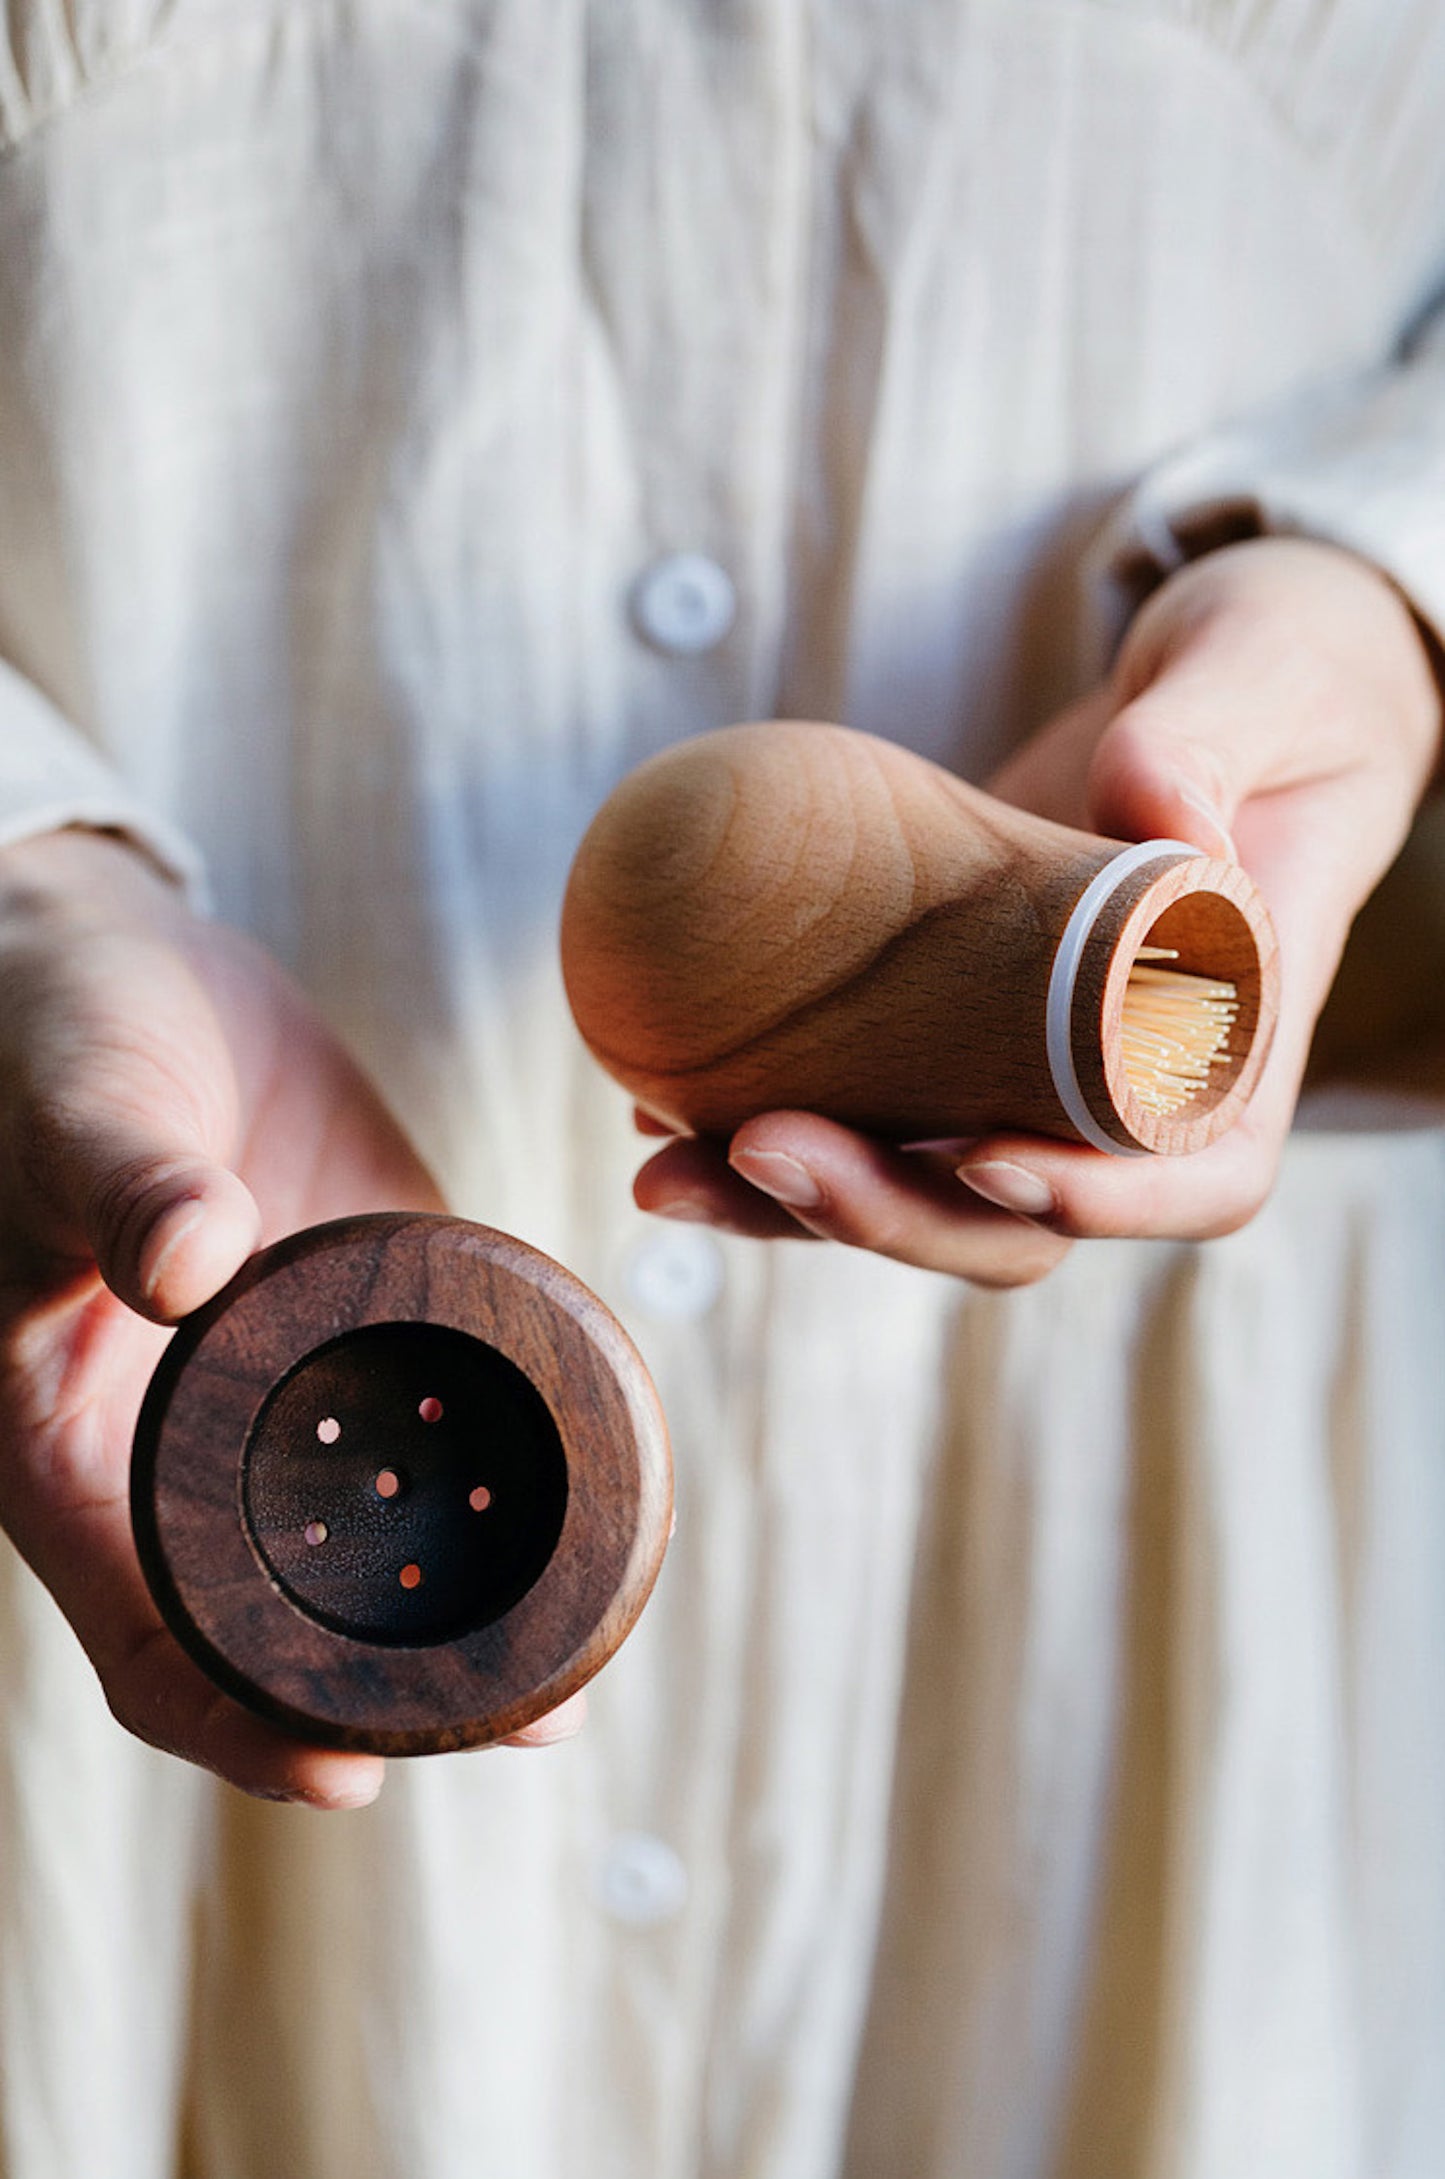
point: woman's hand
(168, 1100)
(1273, 702)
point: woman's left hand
(1274, 703)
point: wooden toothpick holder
(803, 917)
(404, 1485)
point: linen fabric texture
(1044, 1694)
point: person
(409, 419)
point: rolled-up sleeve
(1358, 463)
(52, 776)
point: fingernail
(1205, 808)
(552, 1736)
(691, 1207)
(779, 1176)
(647, 1125)
(345, 1794)
(354, 1797)
(178, 1233)
(1009, 1186)
(563, 1723)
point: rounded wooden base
(404, 1485)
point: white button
(640, 1880)
(675, 1274)
(684, 604)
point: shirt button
(640, 1881)
(684, 604)
(675, 1274)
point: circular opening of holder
(1162, 924)
(404, 1483)
(1190, 1007)
(1197, 938)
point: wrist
(78, 876)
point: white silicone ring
(1087, 910)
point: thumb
(167, 1225)
(125, 1111)
(1222, 695)
(1156, 773)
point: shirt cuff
(51, 778)
(1358, 463)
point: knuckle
(867, 1226)
(1016, 1253)
(1079, 1222)
(118, 1200)
(124, 1202)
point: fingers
(647, 1123)
(1087, 1195)
(69, 1374)
(166, 1224)
(560, 1724)
(1002, 1213)
(691, 1179)
(846, 1187)
(125, 1101)
(158, 1694)
(1002, 1216)
(167, 1231)
(1273, 705)
(793, 1173)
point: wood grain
(791, 915)
(277, 1408)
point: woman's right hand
(1279, 692)
(168, 1100)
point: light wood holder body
(791, 916)
(388, 1397)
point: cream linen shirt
(1032, 1764)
